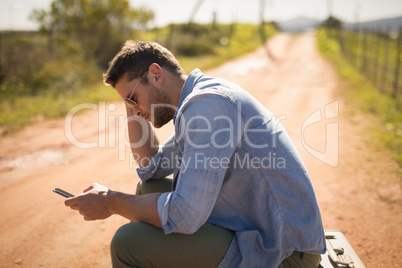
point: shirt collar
(188, 87)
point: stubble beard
(161, 109)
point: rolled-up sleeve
(208, 142)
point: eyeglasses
(130, 102)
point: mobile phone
(62, 192)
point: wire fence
(377, 54)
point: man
(240, 194)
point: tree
(333, 22)
(99, 27)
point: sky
(14, 14)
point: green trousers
(138, 244)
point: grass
(362, 95)
(18, 110)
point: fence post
(1, 60)
(377, 36)
(356, 47)
(398, 63)
(384, 74)
(369, 55)
(340, 40)
(347, 44)
(352, 44)
(364, 53)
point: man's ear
(156, 75)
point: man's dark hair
(135, 57)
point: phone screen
(62, 192)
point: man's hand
(98, 203)
(93, 204)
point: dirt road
(357, 187)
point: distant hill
(298, 24)
(390, 23)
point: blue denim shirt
(235, 166)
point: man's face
(153, 102)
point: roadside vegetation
(44, 74)
(363, 95)
(207, 46)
